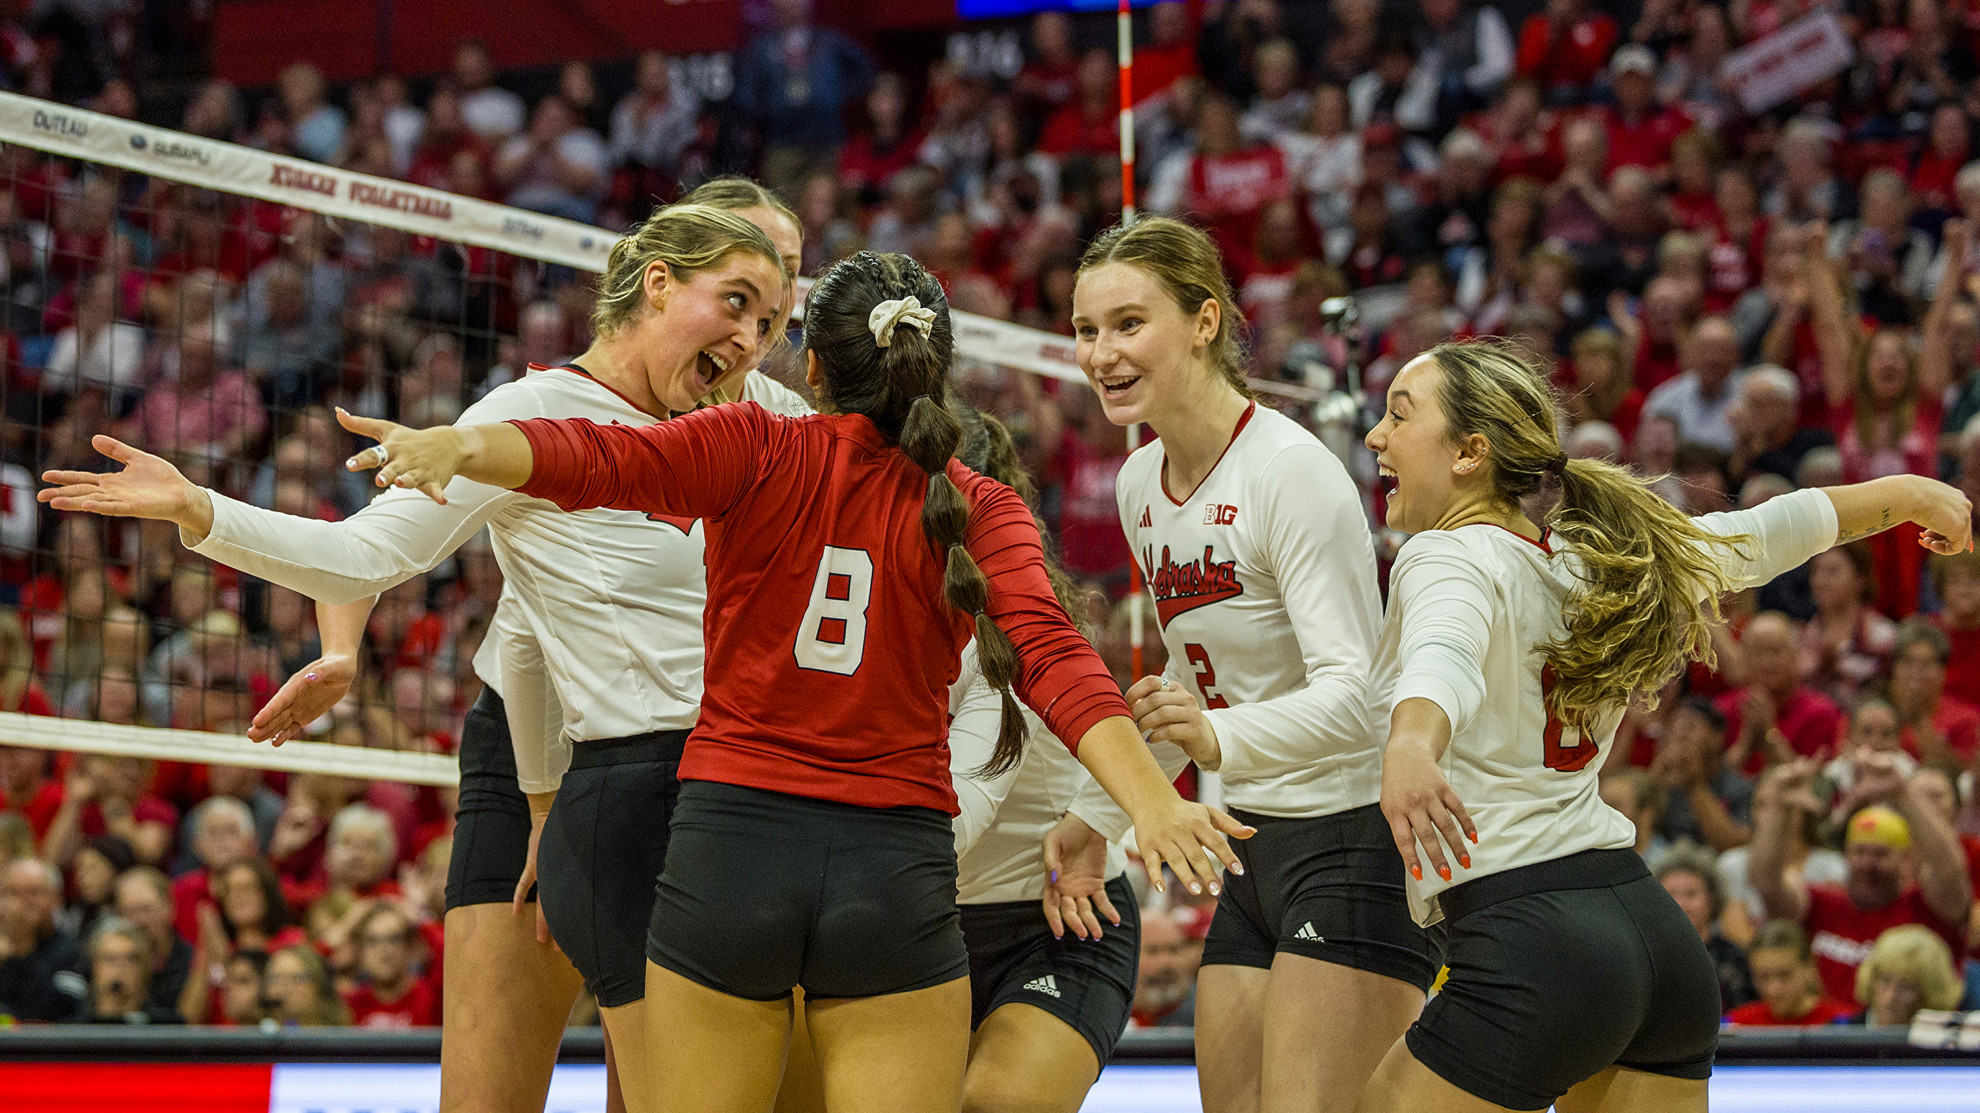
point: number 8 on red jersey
(832, 637)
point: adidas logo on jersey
(1307, 933)
(1146, 522)
(1047, 985)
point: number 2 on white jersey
(832, 637)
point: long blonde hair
(687, 238)
(1650, 577)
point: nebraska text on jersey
(1185, 587)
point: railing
(78, 1043)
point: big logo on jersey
(1185, 587)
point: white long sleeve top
(1264, 586)
(1467, 610)
(1001, 828)
(606, 604)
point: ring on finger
(381, 454)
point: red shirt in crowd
(1091, 543)
(419, 1007)
(1932, 180)
(39, 808)
(1071, 131)
(1573, 58)
(1956, 721)
(1731, 267)
(1970, 846)
(1808, 719)
(820, 517)
(1158, 67)
(1758, 1014)
(1840, 933)
(1227, 192)
(1645, 141)
(1655, 363)
(1963, 670)
(865, 162)
(1915, 453)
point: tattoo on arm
(1883, 524)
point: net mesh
(211, 304)
(217, 329)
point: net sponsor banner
(78, 133)
(228, 167)
(1778, 67)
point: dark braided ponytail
(902, 387)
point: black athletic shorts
(1088, 983)
(491, 824)
(765, 891)
(1560, 970)
(603, 846)
(1326, 887)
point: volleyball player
(1253, 542)
(1046, 1010)
(598, 639)
(1575, 980)
(850, 559)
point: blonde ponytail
(1650, 576)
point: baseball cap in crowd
(1634, 58)
(1879, 826)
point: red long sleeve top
(830, 647)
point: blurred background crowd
(1745, 299)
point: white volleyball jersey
(608, 601)
(1468, 610)
(1001, 827)
(1264, 587)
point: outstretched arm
(1942, 511)
(317, 686)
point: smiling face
(1413, 446)
(1145, 357)
(710, 325)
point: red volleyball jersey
(830, 648)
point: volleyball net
(211, 303)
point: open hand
(147, 487)
(1075, 880)
(307, 697)
(1190, 839)
(1422, 809)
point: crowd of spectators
(1744, 301)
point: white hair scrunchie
(890, 315)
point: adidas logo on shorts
(1307, 933)
(1047, 985)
